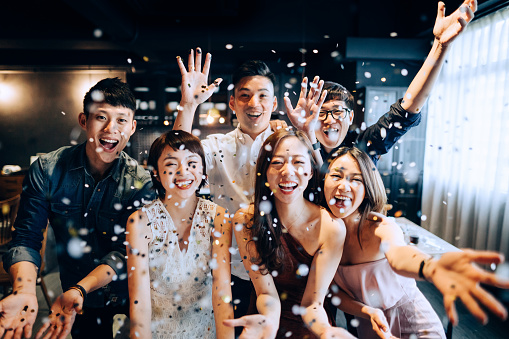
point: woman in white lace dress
(178, 250)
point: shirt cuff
(116, 261)
(21, 253)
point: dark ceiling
(36, 33)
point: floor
(468, 327)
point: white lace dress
(181, 282)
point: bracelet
(316, 146)
(80, 289)
(421, 268)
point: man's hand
(62, 315)
(256, 326)
(194, 86)
(276, 125)
(455, 276)
(305, 115)
(447, 28)
(17, 315)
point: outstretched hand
(256, 326)
(447, 28)
(305, 115)
(194, 86)
(17, 315)
(455, 276)
(62, 315)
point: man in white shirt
(231, 158)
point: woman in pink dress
(378, 269)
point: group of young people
(296, 228)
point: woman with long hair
(379, 269)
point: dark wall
(39, 111)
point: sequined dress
(375, 284)
(181, 282)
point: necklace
(287, 228)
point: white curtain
(466, 165)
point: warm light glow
(166, 122)
(210, 119)
(221, 120)
(7, 93)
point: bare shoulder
(242, 218)
(332, 225)
(138, 223)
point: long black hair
(266, 229)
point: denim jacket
(87, 217)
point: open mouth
(183, 184)
(108, 144)
(254, 115)
(287, 187)
(341, 201)
(330, 131)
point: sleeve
(380, 137)
(116, 258)
(208, 148)
(31, 220)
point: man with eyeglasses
(337, 112)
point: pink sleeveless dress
(405, 307)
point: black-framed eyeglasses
(340, 113)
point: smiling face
(289, 171)
(344, 187)
(180, 172)
(331, 132)
(253, 103)
(108, 130)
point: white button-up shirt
(231, 166)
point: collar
(243, 137)
(79, 160)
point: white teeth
(342, 198)
(288, 184)
(183, 183)
(109, 140)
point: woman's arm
(321, 273)
(266, 323)
(351, 306)
(138, 236)
(454, 273)
(221, 275)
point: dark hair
(252, 68)
(336, 91)
(111, 91)
(176, 140)
(271, 253)
(375, 196)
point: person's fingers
(213, 85)
(43, 329)
(474, 308)
(206, 66)
(303, 88)
(489, 301)
(484, 257)
(450, 308)
(321, 101)
(66, 330)
(313, 87)
(198, 60)
(440, 11)
(288, 105)
(235, 322)
(18, 332)
(190, 61)
(27, 331)
(473, 5)
(182, 68)
(468, 14)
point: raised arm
(266, 323)
(446, 29)
(194, 88)
(305, 115)
(221, 273)
(454, 273)
(321, 274)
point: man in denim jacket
(86, 192)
